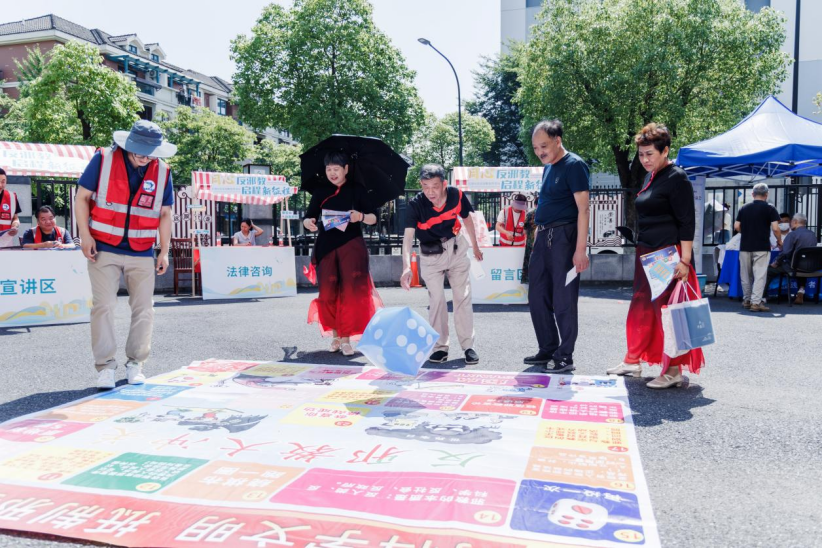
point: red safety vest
(448, 215)
(38, 235)
(8, 206)
(110, 204)
(516, 227)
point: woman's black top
(352, 196)
(665, 210)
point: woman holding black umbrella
(348, 298)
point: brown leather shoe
(798, 300)
(747, 304)
(759, 308)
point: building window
(132, 48)
(155, 58)
(221, 107)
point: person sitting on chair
(245, 236)
(46, 235)
(799, 237)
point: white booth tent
(770, 142)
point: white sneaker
(623, 369)
(134, 373)
(347, 348)
(106, 379)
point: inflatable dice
(398, 340)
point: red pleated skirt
(644, 330)
(348, 298)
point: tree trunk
(631, 177)
(85, 125)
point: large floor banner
(40, 287)
(249, 454)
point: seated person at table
(247, 233)
(511, 221)
(46, 235)
(799, 237)
(785, 227)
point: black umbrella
(372, 164)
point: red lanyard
(331, 196)
(650, 180)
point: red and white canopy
(43, 159)
(242, 188)
(500, 179)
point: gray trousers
(754, 267)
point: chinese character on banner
(509, 274)
(267, 271)
(308, 453)
(124, 521)
(210, 529)
(28, 286)
(68, 515)
(47, 286)
(275, 535)
(7, 287)
(459, 460)
(374, 456)
(16, 509)
(231, 271)
(496, 274)
(244, 271)
(347, 539)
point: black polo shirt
(431, 224)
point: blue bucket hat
(145, 138)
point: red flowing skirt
(644, 329)
(348, 298)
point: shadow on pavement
(43, 401)
(652, 407)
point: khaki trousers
(754, 265)
(455, 265)
(105, 281)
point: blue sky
(196, 35)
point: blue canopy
(771, 142)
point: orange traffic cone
(415, 281)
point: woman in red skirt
(347, 299)
(665, 217)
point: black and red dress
(665, 217)
(348, 298)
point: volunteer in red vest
(46, 235)
(124, 201)
(9, 208)
(435, 216)
(512, 220)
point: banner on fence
(241, 188)
(503, 179)
(43, 159)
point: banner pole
(288, 222)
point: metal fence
(723, 203)
(386, 236)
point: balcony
(183, 99)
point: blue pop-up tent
(771, 142)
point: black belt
(553, 225)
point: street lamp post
(459, 105)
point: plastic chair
(806, 263)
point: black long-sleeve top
(665, 210)
(352, 196)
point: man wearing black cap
(124, 198)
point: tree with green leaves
(606, 68)
(78, 100)
(436, 141)
(207, 142)
(12, 119)
(31, 67)
(284, 159)
(323, 67)
(496, 88)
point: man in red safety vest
(9, 208)
(124, 200)
(511, 221)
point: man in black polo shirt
(434, 217)
(753, 223)
(562, 221)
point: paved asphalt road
(733, 460)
